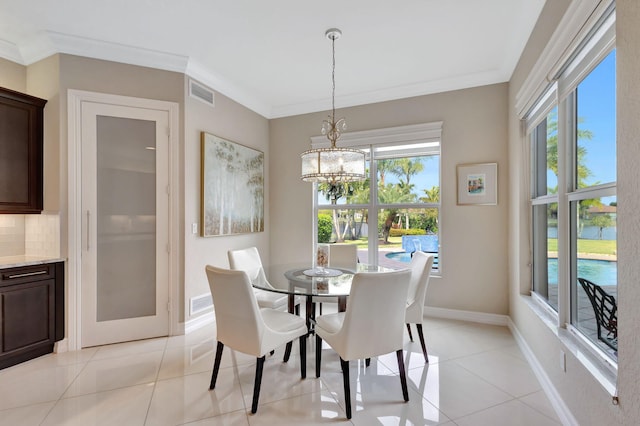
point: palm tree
(432, 195)
(552, 149)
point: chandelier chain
(333, 80)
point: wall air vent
(202, 93)
(200, 304)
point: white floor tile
(502, 370)
(539, 401)
(237, 418)
(457, 392)
(33, 387)
(127, 406)
(130, 348)
(188, 398)
(113, 373)
(319, 408)
(514, 412)
(280, 380)
(25, 416)
(475, 375)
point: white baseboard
(479, 317)
(198, 322)
(61, 346)
(563, 412)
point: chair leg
(347, 387)
(318, 354)
(320, 308)
(256, 385)
(367, 362)
(216, 365)
(303, 356)
(287, 352)
(403, 375)
(409, 330)
(297, 309)
(424, 347)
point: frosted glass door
(125, 201)
(126, 234)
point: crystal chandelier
(333, 165)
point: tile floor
(476, 376)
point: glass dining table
(313, 283)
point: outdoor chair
(606, 312)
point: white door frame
(75, 98)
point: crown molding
(48, 43)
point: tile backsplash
(31, 235)
(42, 235)
(12, 234)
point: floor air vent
(200, 92)
(200, 304)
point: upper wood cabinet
(21, 129)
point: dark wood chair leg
(347, 387)
(403, 375)
(216, 365)
(297, 310)
(303, 356)
(367, 362)
(320, 308)
(318, 354)
(287, 352)
(256, 385)
(409, 330)
(424, 347)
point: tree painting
(232, 188)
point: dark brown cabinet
(21, 133)
(31, 311)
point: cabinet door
(21, 132)
(27, 313)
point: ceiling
(273, 57)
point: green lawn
(607, 247)
(394, 242)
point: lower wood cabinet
(31, 311)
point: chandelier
(333, 165)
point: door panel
(125, 235)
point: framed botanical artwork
(232, 188)
(478, 184)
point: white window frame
(427, 140)
(584, 37)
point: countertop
(16, 261)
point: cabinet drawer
(25, 274)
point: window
(396, 211)
(573, 193)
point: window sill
(601, 367)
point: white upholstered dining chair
(420, 266)
(248, 260)
(372, 325)
(343, 256)
(245, 327)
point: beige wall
(13, 76)
(589, 403)
(474, 238)
(628, 106)
(234, 122)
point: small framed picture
(478, 184)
